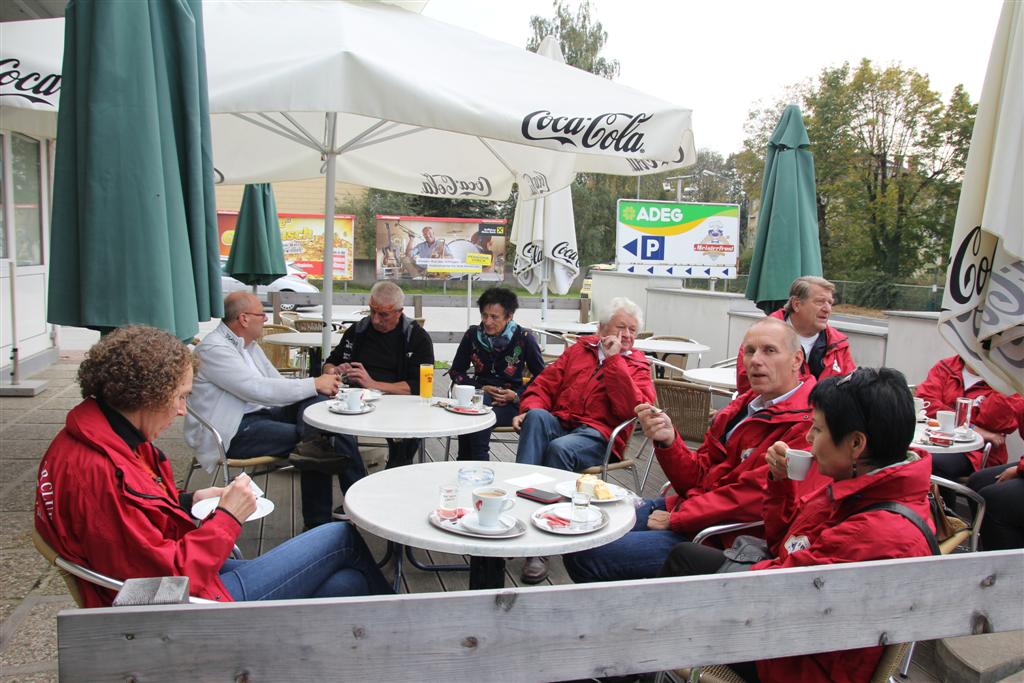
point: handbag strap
(904, 511)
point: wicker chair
(279, 356)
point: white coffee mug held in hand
(947, 421)
(798, 463)
(489, 502)
(463, 394)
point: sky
(721, 58)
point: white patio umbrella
(374, 95)
(982, 314)
(544, 230)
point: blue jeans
(276, 431)
(327, 562)
(477, 446)
(637, 555)
(543, 441)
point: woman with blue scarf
(493, 356)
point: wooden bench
(551, 633)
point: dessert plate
(567, 488)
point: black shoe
(339, 514)
(318, 454)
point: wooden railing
(551, 633)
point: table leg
(486, 572)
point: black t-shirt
(379, 354)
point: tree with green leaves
(581, 38)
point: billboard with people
(302, 237)
(421, 248)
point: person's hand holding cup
(798, 463)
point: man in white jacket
(256, 410)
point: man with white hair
(568, 412)
(826, 349)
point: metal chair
(727, 363)
(272, 462)
(631, 464)
(659, 369)
(684, 356)
(688, 405)
(545, 337)
(69, 571)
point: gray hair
(789, 335)
(621, 304)
(388, 293)
(235, 304)
(800, 290)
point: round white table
(394, 504)
(349, 317)
(304, 340)
(398, 417)
(719, 378)
(570, 327)
(921, 441)
(666, 347)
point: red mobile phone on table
(539, 495)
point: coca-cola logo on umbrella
(618, 131)
(441, 185)
(30, 85)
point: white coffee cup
(463, 394)
(797, 464)
(920, 404)
(489, 502)
(947, 421)
(353, 399)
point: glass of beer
(426, 380)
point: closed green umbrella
(257, 257)
(787, 225)
(134, 230)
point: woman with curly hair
(106, 496)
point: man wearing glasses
(384, 351)
(255, 410)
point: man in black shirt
(384, 351)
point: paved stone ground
(31, 592)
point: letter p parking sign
(652, 248)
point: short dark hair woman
(106, 496)
(494, 356)
(862, 429)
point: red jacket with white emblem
(97, 506)
(824, 527)
(997, 412)
(578, 390)
(723, 481)
(837, 361)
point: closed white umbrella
(982, 314)
(544, 230)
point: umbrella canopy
(787, 243)
(982, 314)
(257, 257)
(544, 229)
(134, 169)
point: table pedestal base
(486, 572)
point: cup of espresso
(489, 502)
(353, 399)
(463, 394)
(947, 421)
(797, 464)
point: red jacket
(578, 390)
(837, 361)
(724, 481)
(97, 506)
(997, 412)
(823, 527)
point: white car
(294, 281)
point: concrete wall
(701, 316)
(914, 343)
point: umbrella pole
(469, 299)
(328, 293)
(544, 290)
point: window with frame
(25, 176)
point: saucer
(340, 408)
(958, 438)
(454, 526)
(467, 410)
(471, 522)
